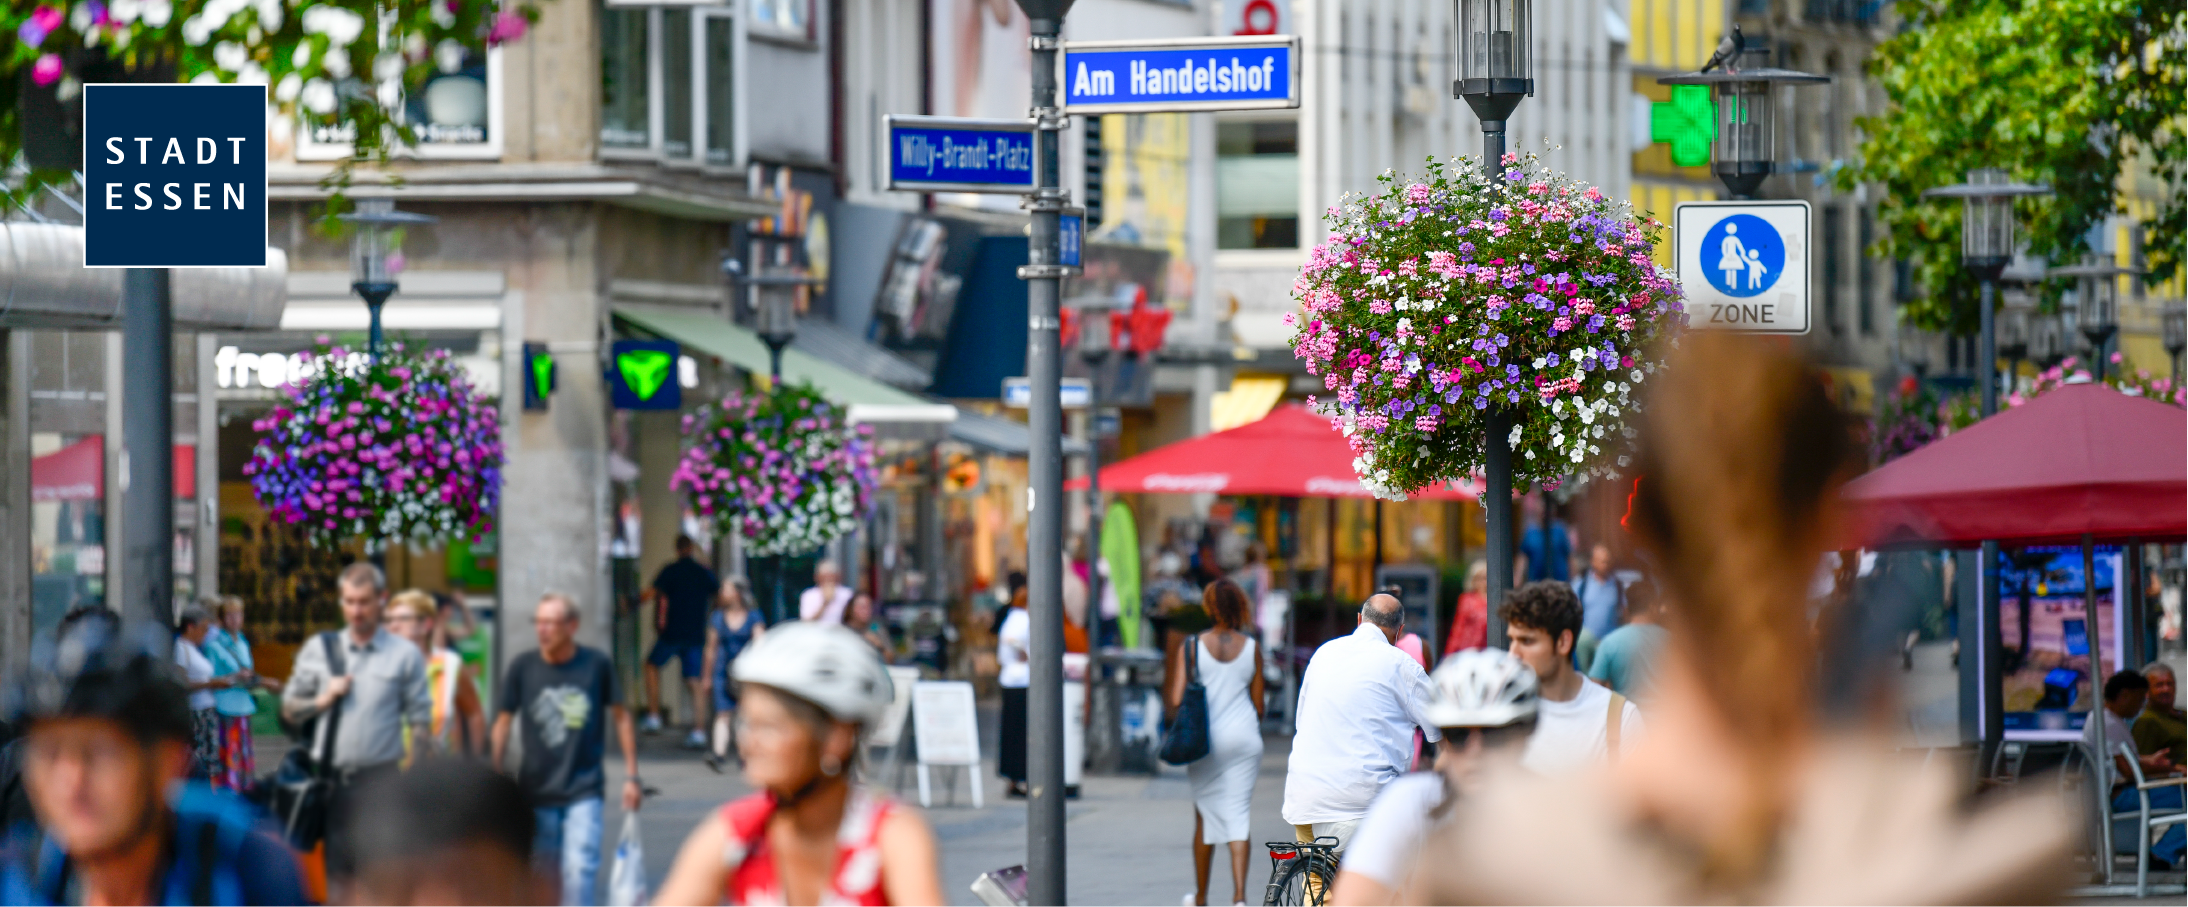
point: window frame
(702, 14)
(310, 150)
(1301, 217)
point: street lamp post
(1495, 74)
(2013, 342)
(2046, 341)
(376, 255)
(2175, 322)
(1986, 247)
(2097, 303)
(1743, 154)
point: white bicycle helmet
(1483, 688)
(825, 664)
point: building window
(676, 83)
(720, 106)
(791, 19)
(668, 84)
(454, 111)
(1257, 184)
(1834, 234)
(1865, 300)
(625, 83)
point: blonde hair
(1742, 454)
(416, 601)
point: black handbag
(302, 786)
(1187, 739)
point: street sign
(1078, 393)
(174, 176)
(1070, 236)
(958, 154)
(642, 375)
(1744, 264)
(539, 376)
(1242, 73)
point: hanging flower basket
(402, 449)
(1434, 303)
(780, 470)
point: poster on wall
(979, 67)
(2058, 653)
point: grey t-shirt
(561, 709)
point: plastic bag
(627, 880)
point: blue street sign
(1070, 237)
(174, 176)
(1243, 73)
(955, 154)
(1744, 265)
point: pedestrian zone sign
(1744, 265)
(174, 176)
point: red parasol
(2080, 460)
(1291, 452)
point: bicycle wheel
(1306, 882)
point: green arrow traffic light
(1687, 122)
(644, 371)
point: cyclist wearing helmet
(1485, 703)
(106, 749)
(812, 835)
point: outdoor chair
(2148, 822)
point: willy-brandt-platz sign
(174, 176)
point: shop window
(1257, 184)
(668, 84)
(454, 112)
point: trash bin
(1126, 721)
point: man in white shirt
(1574, 724)
(1359, 702)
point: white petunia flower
(157, 13)
(318, 96)
(291, 85)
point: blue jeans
(2127, 803)
(568, 836)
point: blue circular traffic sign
(1742, 255)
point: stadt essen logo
(1742, 256)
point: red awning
(2080, 459)
(78, 472)
(1291, 452)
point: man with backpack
(107, 736)
(1578, 721)
(367, 684)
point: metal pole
(1987, 357)
(148, 447)
(1496, 498)
(1045, 491)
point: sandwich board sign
(1744, 265)
(174, 176)
(946, 728)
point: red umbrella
(1291, 452)
(2080, 460)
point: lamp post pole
(148, 445)
(1495, 74)
(376, 256)
(2175, 324)
(1044, 275)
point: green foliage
(2067, 92)
(325, 63)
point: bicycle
(1301, 874)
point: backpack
(210, 829)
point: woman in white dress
(1229, 666)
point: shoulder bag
(302, 786)
(1187, 739)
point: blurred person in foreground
(2124, 695)
(566, 696)
(1485, 701)
(106, 750)
(1738, 793)
(459, 720)
(812, 834)
(449, 831)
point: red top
(1470, 625)
(752, 876)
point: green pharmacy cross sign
(1687, 122)
(642, 375)
(539, 367)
